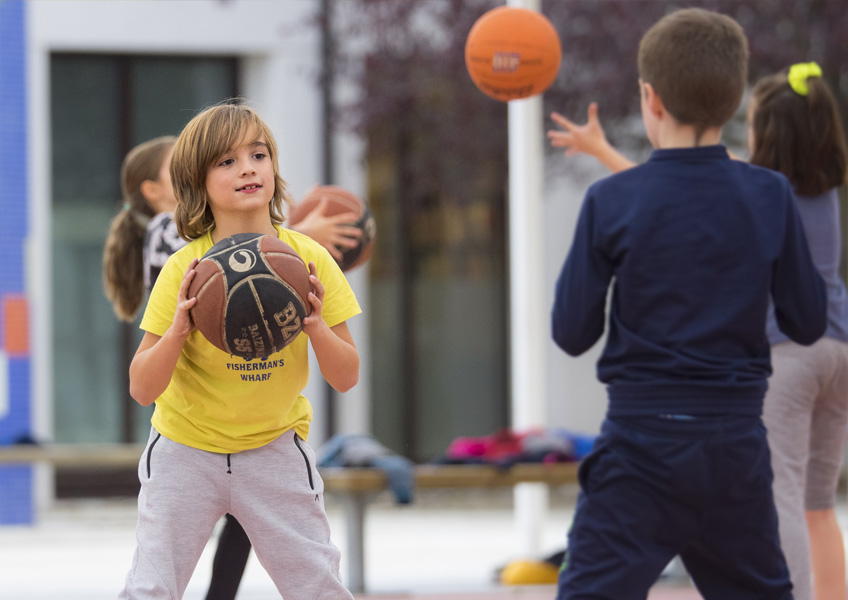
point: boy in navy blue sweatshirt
(693, 243)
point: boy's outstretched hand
(587, 139)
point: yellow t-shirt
(223, 403)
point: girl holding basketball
(794, 128)
(220, 444)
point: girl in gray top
(794, 128)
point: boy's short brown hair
(800, 136)
(211, 133)
(697, 62)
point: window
(438, 295)
(102, 106)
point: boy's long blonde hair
(211, 133)
(123, 263)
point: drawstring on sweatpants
(228, 464)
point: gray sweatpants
(274, 491)
(806, 415)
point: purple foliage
(409, 67)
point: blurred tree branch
(410, 64)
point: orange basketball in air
(512, 53)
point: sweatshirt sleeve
(581, 290)
(798, 291)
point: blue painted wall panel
(16, 491)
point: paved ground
(442, 548)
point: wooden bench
(73, 455)
(355, 487)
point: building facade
(83, 82)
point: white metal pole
(528, 322)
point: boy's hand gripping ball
(340, 201)
(251, 294)
(512, 53)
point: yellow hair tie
(800, 73)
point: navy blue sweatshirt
(693, 244)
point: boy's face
(241, 179)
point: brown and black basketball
(252, 295)
(340, 201)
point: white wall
(576, 399)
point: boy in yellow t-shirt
(228, 434)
